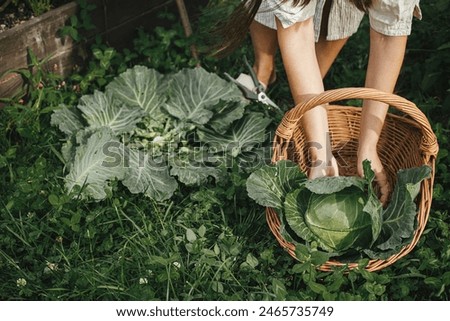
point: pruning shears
(258, 92)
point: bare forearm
(385, 61)
(298, 52)
(299, 57)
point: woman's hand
(380, 174)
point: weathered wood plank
(40, 35)
(116, 21)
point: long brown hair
(362, 5)
(229, 34)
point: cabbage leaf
(270, 184)
(193, 93)
(102, 110)
(296, 202)
(96, 164)
(67, 119)
(373, 205)
(140, 87)
(399, 217)
(330, 185)
(148, 176)
(244, 135)
(225, 113)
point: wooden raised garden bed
(116, 22)
(40, 35)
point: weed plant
(205, 243)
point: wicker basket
(406, 141)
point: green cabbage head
(339, 214)
(339, 220)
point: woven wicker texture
(406, 141)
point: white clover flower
(143, 281)
(21, 282)
(52, 266)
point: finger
(384, 185)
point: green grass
(206, 243)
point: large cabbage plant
(152, 132)
(342, 215)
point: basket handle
(290, 120)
